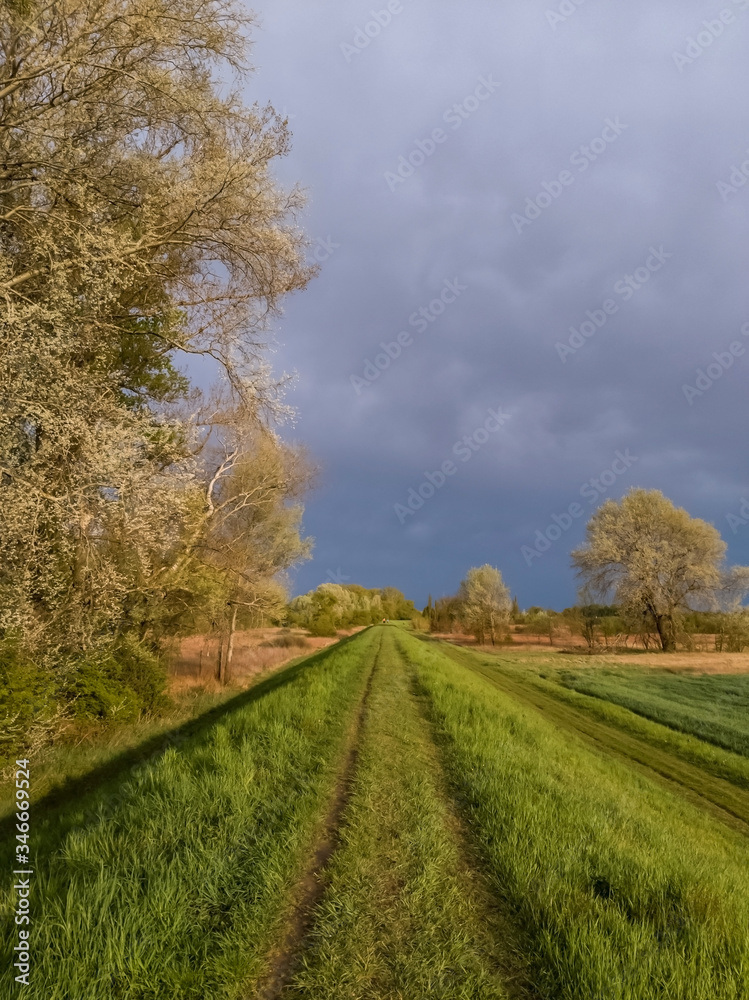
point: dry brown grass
(698, 662)
(195, 662)
(702, 660)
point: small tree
(485, 602)
(445, 616)
(541, 621)
(593, 622)
(734, 637)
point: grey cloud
(655, 185)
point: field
(714, 708)
(396, 817)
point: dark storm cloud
(607, 129)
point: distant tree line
(661, 573)
(334, 606)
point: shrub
(28, 703)
(120, 683)
(287, 642)
(323, 625)
(142, 672)
(364, 617)
(94, 692)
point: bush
(364, 617)
(120, 683)
(28, 703)
(287, 642)
(94, 692)
(37, 705)
(323, 625)
(27, 691)
(142, 672)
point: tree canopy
(485, 602)
(139, 225)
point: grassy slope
(87, 758)
(402, 915)
(658, 752)
(535, 674)
(626, 891)
(172, 887)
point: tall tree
(653, 558)
(485, 602)
(139, 224)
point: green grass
(487, 850)
(403, 915)
(625, 891)
(712, 707)
(173, 884)
(83, 754)
(546, 677)
(657, 752)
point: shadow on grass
(49, 822)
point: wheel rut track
(310, 888)
(724, 801)
(513, 970)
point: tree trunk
(230, 644)
(664, 625)
(221, 660)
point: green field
(714, 708)
(399, 818)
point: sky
(531, 221)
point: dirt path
(309, 890)
(719, 797)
